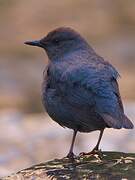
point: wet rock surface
(109, 165)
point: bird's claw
(94, 152)
(71, 155)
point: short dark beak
(34, 43)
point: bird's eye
(56, 41)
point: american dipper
(80, 89)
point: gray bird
(80, 89)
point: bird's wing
(95, 86)
(126, 122)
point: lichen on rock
(111, 165)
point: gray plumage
(80, 89)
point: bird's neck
(69, 52)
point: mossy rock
(108, 165)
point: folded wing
(97, 87)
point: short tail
(111, 121)
(127, 124)
(117, 124)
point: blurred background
(27, 134)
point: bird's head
(60, 42)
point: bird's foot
(95, 152)
(71, 155)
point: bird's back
(83, 91)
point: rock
(105, 165)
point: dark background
(27, 135)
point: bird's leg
(96, 148)
(71, 154)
